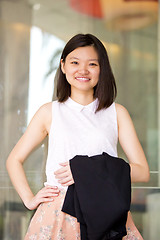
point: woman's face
(82, 69)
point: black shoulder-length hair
(105, 90)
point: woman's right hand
(46, 194)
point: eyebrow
(92, 59)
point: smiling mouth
(82, 79)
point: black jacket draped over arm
(100, 196)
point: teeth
(82, 78)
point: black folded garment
(100, 196)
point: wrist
(27, 200)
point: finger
(44, 195)
(49, 193)
(64, 164)
(68, 183)
(50, 187)
(64, 180)
(52, 190)
(62, 175)
(61, 170)
(41, 200)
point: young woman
(84, 120)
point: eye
(74, 62)
(93, 64)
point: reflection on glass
(43, 58)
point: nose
(83, 69)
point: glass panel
(32, 35)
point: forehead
(87, 52)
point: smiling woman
(82, 69)
(97, 52)
(84, 120)
(29, 58)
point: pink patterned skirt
(50, 223)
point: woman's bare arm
(139, 167)
(37, 130)
(131, 146)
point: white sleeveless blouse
(78, 130)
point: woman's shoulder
(45, 108)
(120, 109)
(122, 112)
(45, 114)
(123, 115)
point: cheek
(69, 76)
(96, 74)
(97, 78)
(69, 71)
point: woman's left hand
(64, 174)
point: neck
(82, 98)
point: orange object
(89, 7)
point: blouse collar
(77, 106)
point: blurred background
(32, 35)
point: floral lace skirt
(50, 223)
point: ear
(62, 66)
